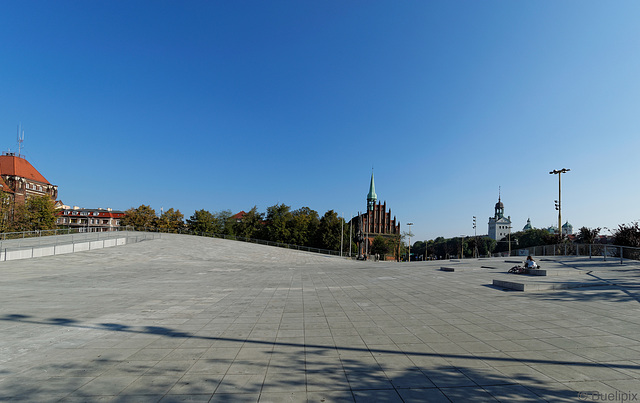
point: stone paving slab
(185, 318)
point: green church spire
(371, 197)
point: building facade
(89, 220)
(376, 221)
(499, 225)
(20, 180)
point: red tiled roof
(4, 187)
(239, 215)
(16, 166)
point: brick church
(376, 221)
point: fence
(269, 243)
(33, 234)
(48, 243)
(251, 240)
(24, 245)
(573, 249)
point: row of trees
(444, 248)
(37, 213)
(303, 227)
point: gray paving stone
(184, 318)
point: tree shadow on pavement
(280, 371)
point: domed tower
(499, 225)
(528, 226)
(499, 209)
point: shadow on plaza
(283, 372)
(355, 380)
(608, 293)
(312, 370)
(168, 332)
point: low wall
(51, 250)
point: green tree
(534, 237)
(251, 225)
(379, 246)
(202, 222)
(170, 221)
(303, 225)
(277, 223)
(396, 246)
(486, 245)
(329, 231)
(224, 222)
(627, 235)
(418, 249)
(588, 235)
(6, 211)
(141, 218)
(37, 213)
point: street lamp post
(475, 238)
(559, 172)
(409, 224)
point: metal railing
(32, 239)
(54, 243)
(39, 233)
(604, 251)
(270, 243)
(249, 240)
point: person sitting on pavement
(530, 263)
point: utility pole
(341, 234)
(350, 232)
(409, 224)
(475, 238)
(559, 172)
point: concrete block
(512, 285)
(82, 246)
(18, 254)
(62, 249)
(43, 251)
(448, 268)
(96, 245)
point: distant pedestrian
(530, 263)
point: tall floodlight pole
(350, 233)
(409, 257)
(341, 234)
(559, 172)
(475, 238)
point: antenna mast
(20, 139)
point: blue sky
(226, 105)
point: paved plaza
(190, 319)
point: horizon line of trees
(444, 248)
(36, 213)
(302, 227)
